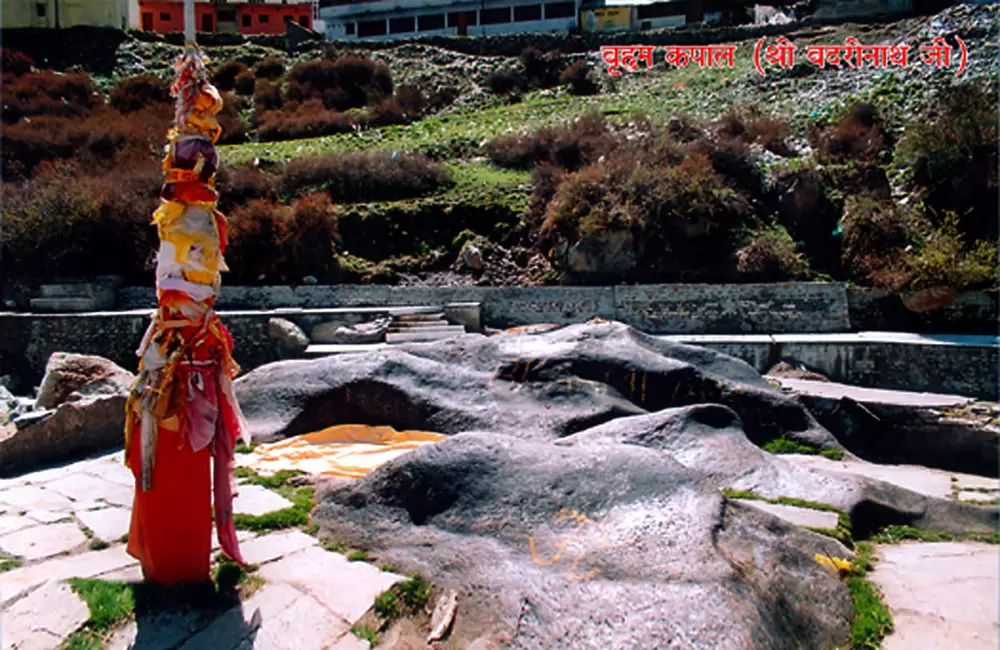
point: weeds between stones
(297, 515)
(10, 562)
(365, 633)
(783, 445)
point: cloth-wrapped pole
(182, 413)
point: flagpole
(189, 23)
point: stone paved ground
(71, 522)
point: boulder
(80, 409)
(70, 377)
(471, 257)
(785, 369)
(536, 386)
(289, 336)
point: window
(227, 16)
(494, 16)
(559, 10)
(247, 20)
(304, 21)
(525, 13)
(455, 17)
(402, 25)
(349, 29)
(660, 10)
(428, 23)
(371, 28)
(164, 16)
(263, 18)
(40, 10)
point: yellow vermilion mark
(527, 367)
(632, 393)
(838, 565)
(643, 400)
(581, 520)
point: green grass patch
(242, 448)
(783, 445)
(872, 620)
(229, 576)
(83, 640)
(97, 545)
(897, 534)
(295, 516)
(108, 602)
(335, 547)
(388, 606)
(414, 592)
(311, 529)
(842, 533)
(10, 562)
(357, 556)
(365, 633)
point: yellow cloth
(349, 450)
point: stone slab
(924, 480)
(833, 390)
(940, 595)
(257, 500)
(350, 642)
(323, 575)
(128, 574)
(85, 488)
(47, 516)
(31, 497)
(112, 471)
(970, 495)
(324, 349)
(12, 523)
(85, 565)
(241, 536)
(109, 524)
(162, 630)
(40, 542)
(806, 517)
(43, 619)
(271, 547)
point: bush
(506, 82)
(307, 120)
(404, 107)
(570, 146)
(366, 176)
(343, 83)
(541, 69)
(267, 96)
(946, 260)
(245, 84)
(771, 257)
(951, 151)
(875, 237)
(63, 222)
(16, 62)
(234, 127)
(577, 77)
(859, 135)
(133, 93)
(270, 68)
(224, 76)
(279, 243)
(49, 93)
(240, 185)
(750, 125)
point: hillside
(429, 166)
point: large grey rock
(562, 547)
(540, 386)
(289, 336)
(71, 377)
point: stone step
(420, 327)
(73, 304)
(327, 349)
(419, 337)
(419, 317)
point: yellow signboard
(607, 19)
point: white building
(393, 19)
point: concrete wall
(657, 309)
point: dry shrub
(771, 257)
(306, 120)
(341, 84)
(234, 127)
(541, 69)
(506, 82)
(104, 139)
(749, 124)
(225, 74)
(245, 84)
(571, 146)
(63, 222)
(49, 93)
(239, 185)
(875, 237)
(139, 91)
(859, 136)
(366, 176)
(267, 96)
(404, 107)
(270, 68)
(276, 243)
(16, 62)
(577, 77)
